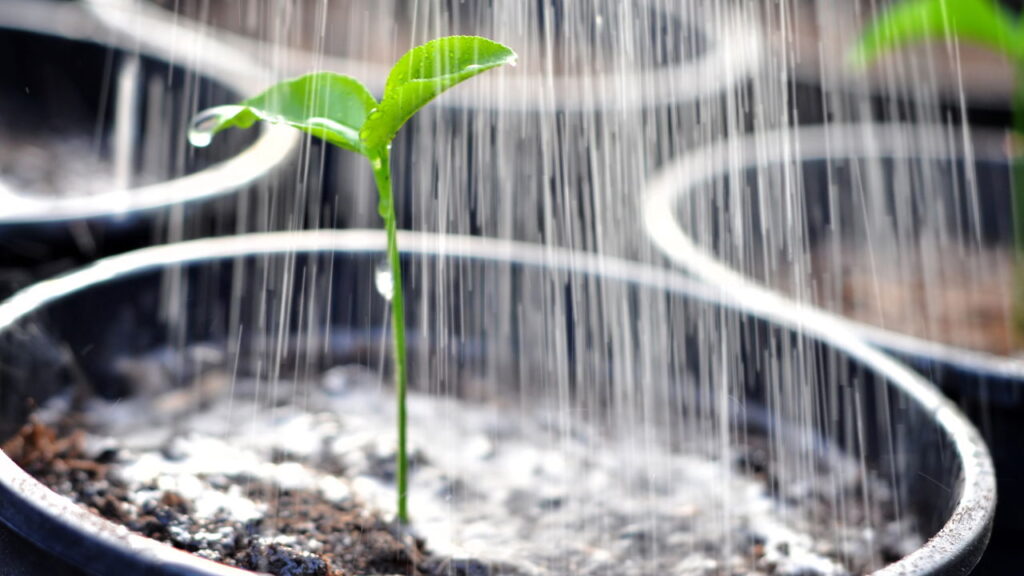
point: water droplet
(206, 123)
(382, 278)
(200, 138)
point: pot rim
(732, 55)
(235, 70)
(681, 177)
(960, 541)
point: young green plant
(340, 110)
(983, 22)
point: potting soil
(298, 479)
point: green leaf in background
(425, 72)
(327, 105)
(979, 21)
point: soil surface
(299, 532)
(294, 480)
(963, 298)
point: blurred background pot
(497, 324)
(93, 152)
(904, 231)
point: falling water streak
(126, 122)
(235, 361)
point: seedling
(340, 110)
(984, 22)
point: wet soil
(964, 298)
(260, 483)
(301, 533)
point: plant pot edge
(965, 532)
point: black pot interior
(530, 338)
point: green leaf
(425, 72)
(327, 105)
(978, 21)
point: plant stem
(381, 163)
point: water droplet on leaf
(207, 122)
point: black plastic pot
(771, 211)
(103, 117)
(490, 321)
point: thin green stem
(381, 162)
